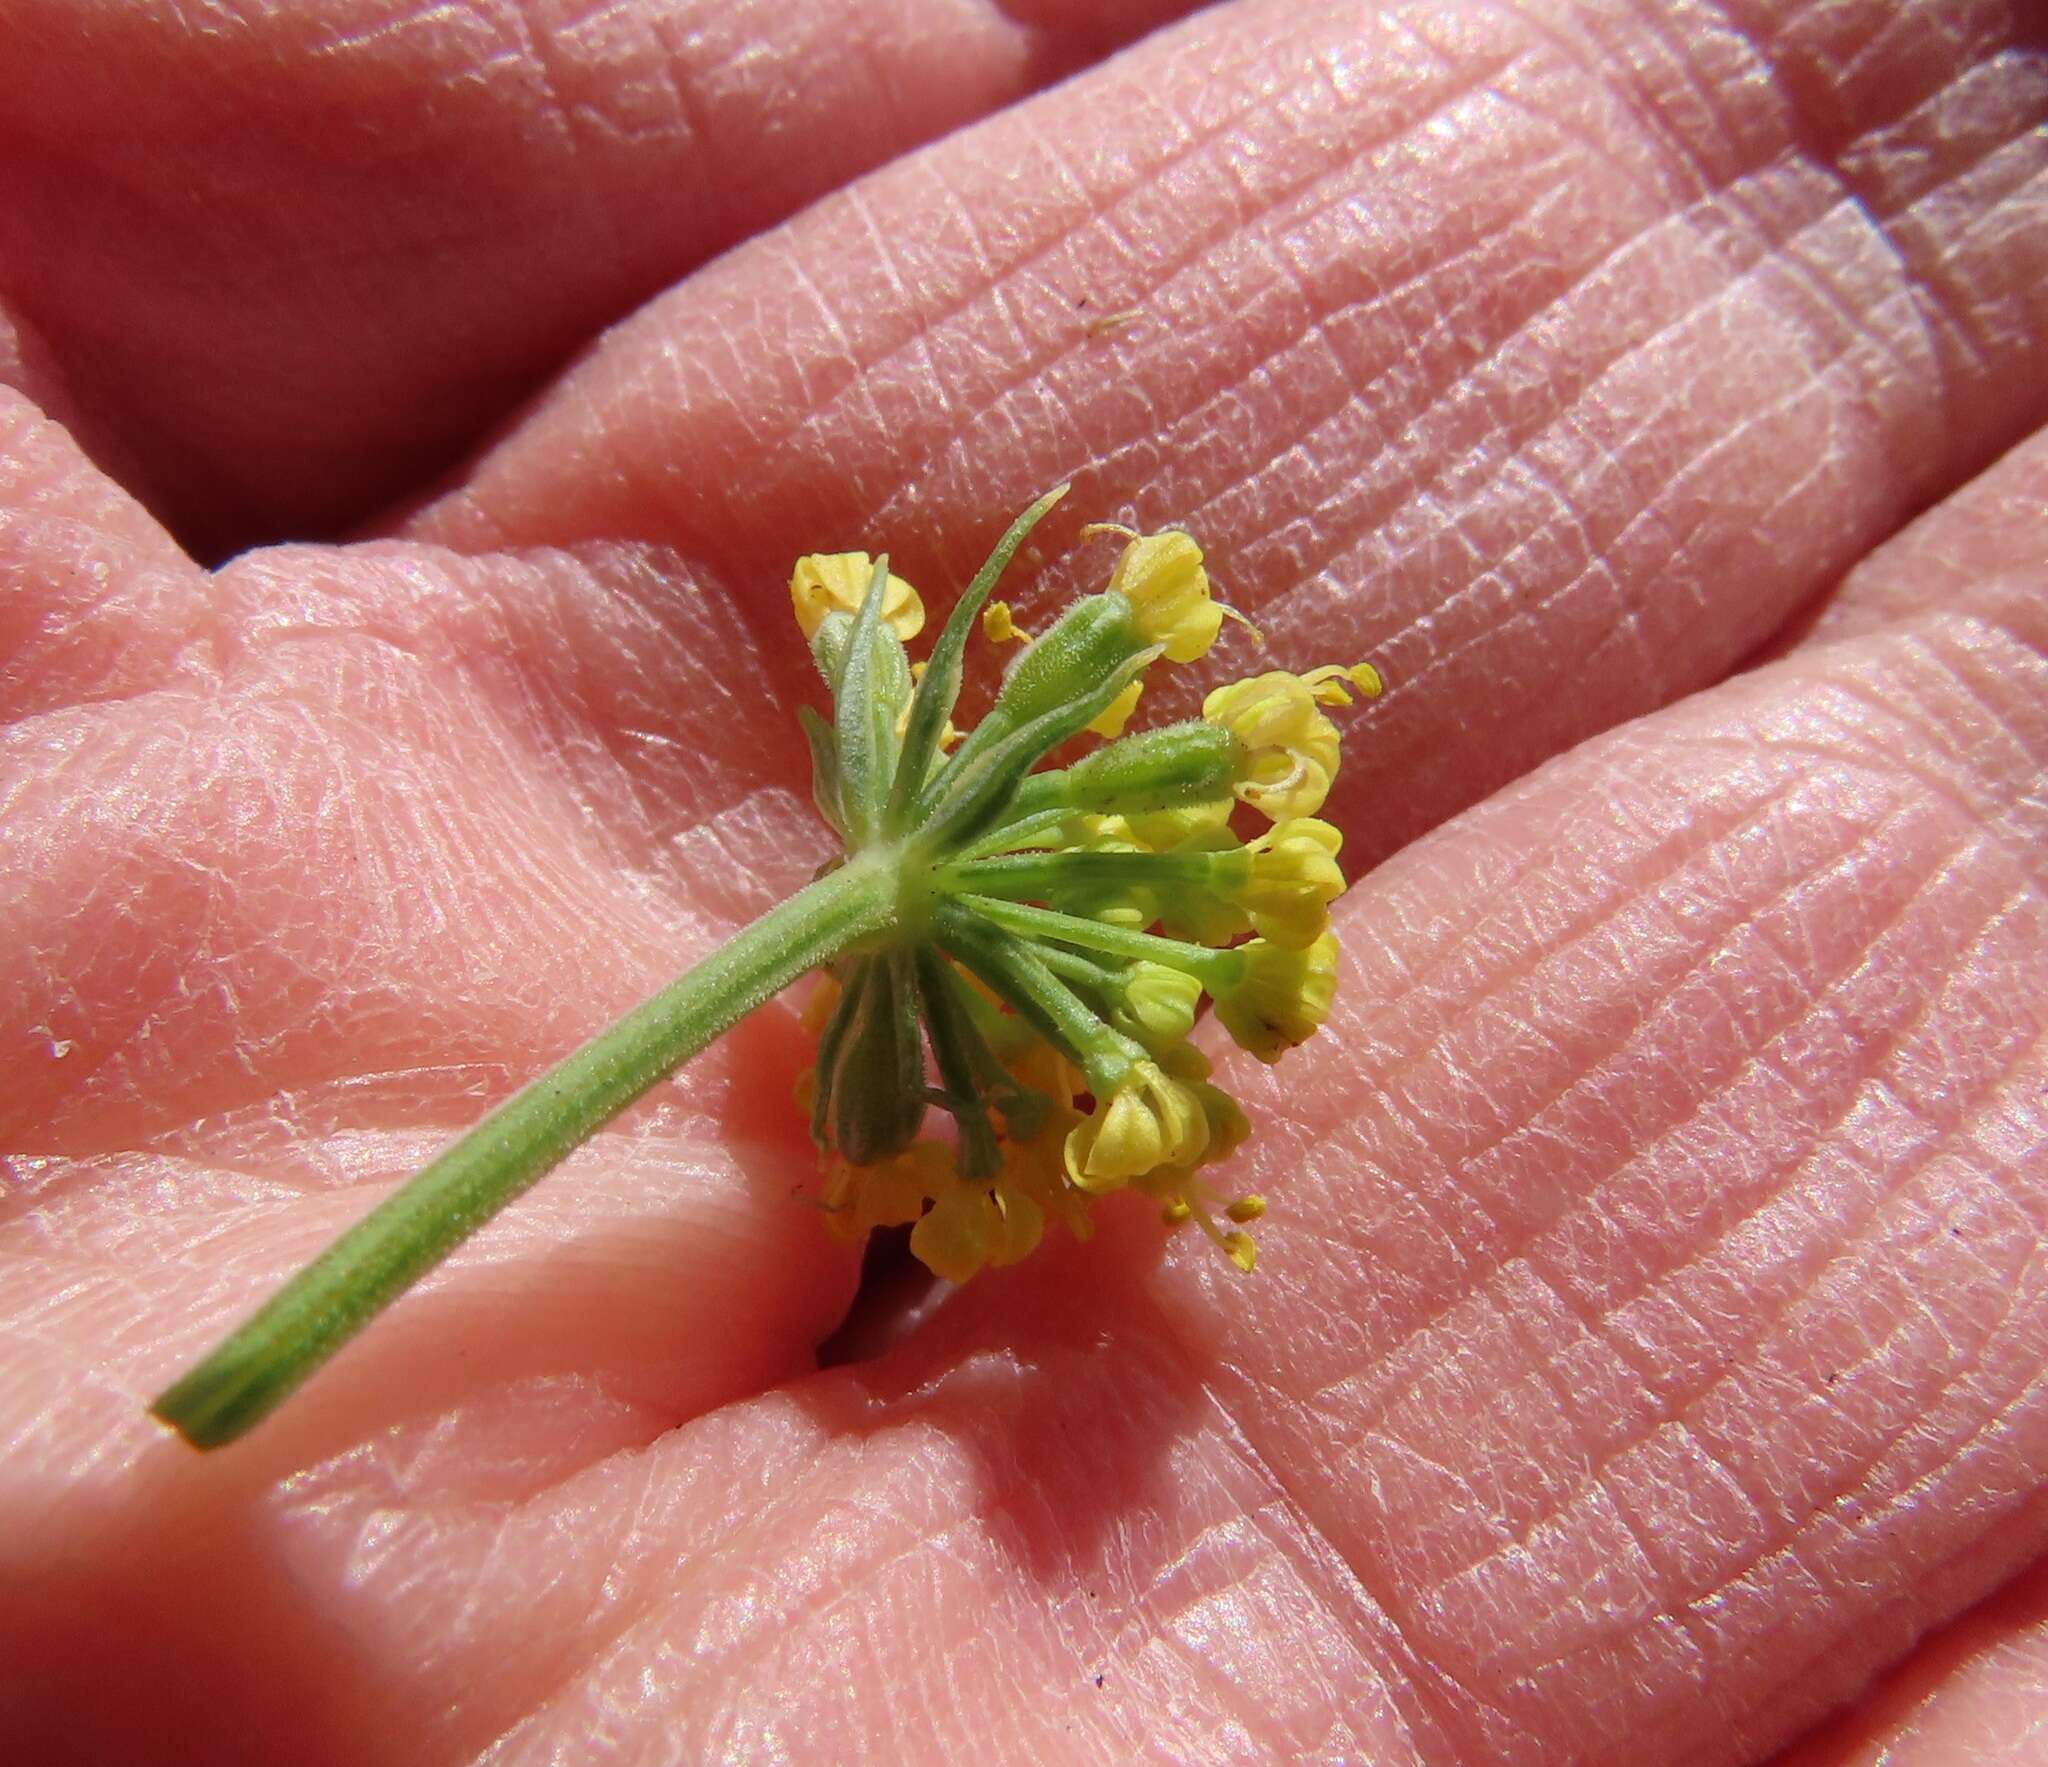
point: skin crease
(1645, 1357)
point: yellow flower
(1229, 1129)
(1034, 1165)
(1161, 576)
(1179, 1190)
(836, 582)
(1286, 748)
(1281, 997)
(1150, 1120)
(1161, 831)
(1294, 879)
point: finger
(1977, 1689)
(1657, 1320)
(293, 262)
(1550, 362)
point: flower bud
(1184, 828)
(1150, 1120)
(1158, 1004)
(876, 1086)
(1078, 654)
(973, 1226)
(890, 1193)
(1172, 766)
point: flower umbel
(1021, 947)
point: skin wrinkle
(1823, 1517)
(762, 1641)
(1888, 209)
(689, 115)
(1594, 1484)
(379, 639)
(122, 1049)
(1322, 328)
(1227, 1692)
(1853, 1482)
(1657, 1278)
(1026, 370)
(1794, 1671)
(1947, 790)
(576, 100)
(582, 688)
(1319, 329)
(1951, 316)
(1651, 30)
(735, 1546)
(1729, 442)
(1582, 933)
(1854, 1233)
(1439, 1682)
(1995, 811)
(847, 1596)
(1604, 1479)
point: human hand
(1646, 1347)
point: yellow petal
(1161, 576)
(837, 582)
(1113, 717)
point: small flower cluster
(1035, 942)
(1057, 929)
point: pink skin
(1646, 1357)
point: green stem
(255, 1369)
(1045, 877)
(963, 1061)
(1209, 967)
(1036, 830)
(1078, 970)
(1020, 975)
